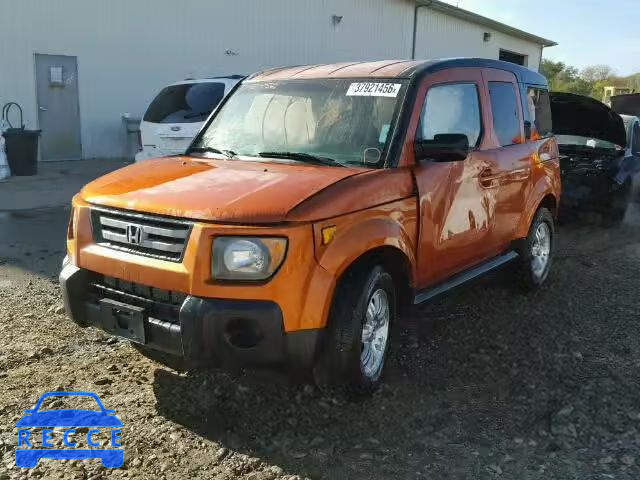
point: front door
(58, 107)
(457, 207)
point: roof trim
(487, 22)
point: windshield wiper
(227, 153)
(302, 157)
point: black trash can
(22, 151)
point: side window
(451, 108)
(538, 112)
(504, 105)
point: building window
(504, 105)
(451, 108)
(513, 57)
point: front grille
(142, 234)
(158, 303)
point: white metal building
(76, 66)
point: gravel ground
(486, 383)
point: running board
(464, 277)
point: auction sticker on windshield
(370, 89)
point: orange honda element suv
(314, 203)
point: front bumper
(201, 330)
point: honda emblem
(134, 234)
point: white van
(178, 112)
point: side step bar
(464, 277)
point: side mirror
(445, 147)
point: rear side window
(186, 103)
(451, 108)
(504, 105)
(539, 112)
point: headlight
(246, 258)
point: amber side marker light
(328, 233)
(535, 158)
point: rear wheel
(536, 251)
(363, 309)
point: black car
(600, 155)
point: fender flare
(538, 196)
(362, 238)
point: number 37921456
(373, 89)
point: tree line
(589, 81)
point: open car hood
(626, 104)
(585, 117)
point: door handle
(42, 109)
(488, 179)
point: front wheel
(363, 309)
(536, 251)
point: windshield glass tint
(338, 119)
(186, 103)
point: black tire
(339, 362)
(618, 206)
(530, 277)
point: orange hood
(232, 191)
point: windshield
(578, 141)
(335, 119)
(185, 103)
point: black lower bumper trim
(207, 331)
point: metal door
(457, 212)
(58, 107)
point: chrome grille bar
(147, 235)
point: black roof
(523, 74)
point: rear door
(177, 113)
(506, 156)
